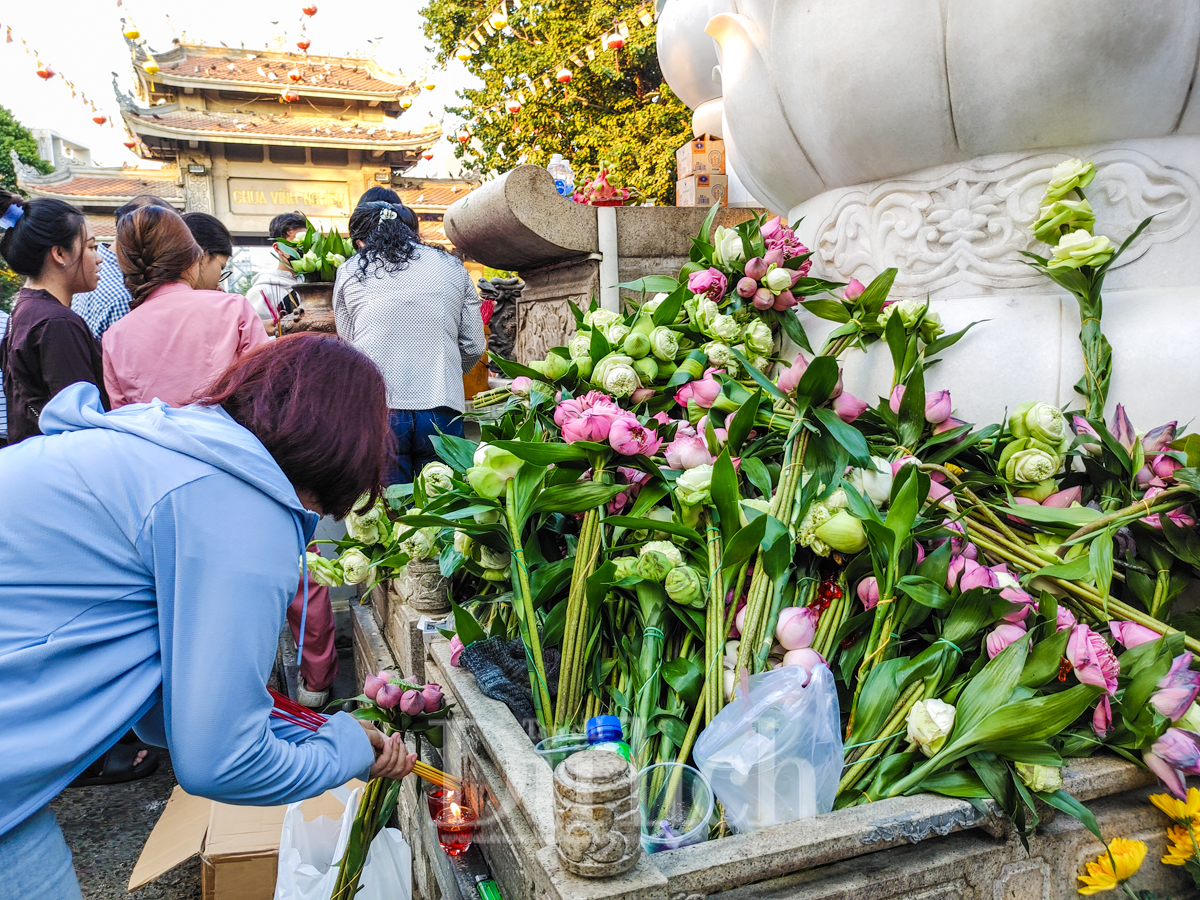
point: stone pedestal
(422, 586)
(597, 824)
(519, 222)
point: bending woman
(413, 310)
(46, 346)
(147, 557)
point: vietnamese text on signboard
(269, 196)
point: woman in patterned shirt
(412, 309)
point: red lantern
(100, 119)
(464, 136)
(428, 154)
(294, 75)
(304, 44)
(45, 72)
(564, 75)
(615, 41)
(310, 10)
(131, 144)
(288, 95)
(513, 106)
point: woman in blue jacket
(147, 559)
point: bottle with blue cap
(604, 733)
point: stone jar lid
(595, 776)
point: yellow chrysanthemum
(1181, 812)
(1123, 859)
(1182, 847)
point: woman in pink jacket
(176, 339)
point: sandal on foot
(119, 765)
(311, 699)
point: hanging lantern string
(562, 71)
(47, 72)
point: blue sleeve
(226, 562)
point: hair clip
(386, 214)
(14, 213)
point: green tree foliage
(617, 107)
(15, 136)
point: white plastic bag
(775, 756)
(308, 851)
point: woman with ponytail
(412, 309)
(47, 346)
(175, 339)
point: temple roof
(103, 187)
(431, 196)
(272, 128)
(266, 71)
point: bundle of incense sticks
(290, 711)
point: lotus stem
(528, 621)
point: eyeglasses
(227, 273)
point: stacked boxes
(701, 173)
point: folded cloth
(500, 671)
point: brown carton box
(703, 156)
(238, 845)
(702, 190)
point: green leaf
(725, 494)
(739, 425)
(669, 308)
(756, 473)
(544, 454)
(598, 346)
(947, 340)
(1064, 802)
(639, 523)
(794, 329)
(1076, 570)
(817, 383)
(1100, 563)
(574, 498)
(465, 626)
(872, 299)
(897, 341)
(670, 726)
(685, 676)
(458, 453)
(555, 624)
(513, 369)
(681, 377)
(763, 531)
(760, 379)
(1072, 517)
(990, 689)
(830, 310)
(651, 284)
(846, 435)
(1027, 720)
(924, 591)
(1042, 663)
(961, 784)
(912, 407)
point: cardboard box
(703, 156)
(702, 190)
(238, 845)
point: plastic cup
(677, 804)
(555, 749)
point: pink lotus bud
(746, 287)
(848, 407)
(1102, 717)
(763, 299)
(920, 552)
(937, 406)
(853, 290)
(796, 628)
(774, 257)
(1083, 428)
(412, 703)
(1165, 466)
(975, 576)
(1157, 439)
(1122, 429)
(432, 695)
(805, 658)
(456, 650)
(790, 377)
(896, 396)
(954, 572)
(1131, 634)
(868, 592)
(1064, 619)
(1145, 478)
(902, 462)
(949, 424)
(521, 385)
(389, 695)
(1000, 637)
(1022, 599)
(372, 685)
(756, 268)
(784, 301)
(641, 395)
(796, 276)
(939, 493)
(1064, 499)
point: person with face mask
(268, 289)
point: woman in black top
(47, 346)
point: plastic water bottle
(604, 733)
(564, 177)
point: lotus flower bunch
(1040, 439)
(388, 691)
(847, 407)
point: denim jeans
(35, 861)
(413, 429)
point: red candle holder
(437, 798)
(456, 828)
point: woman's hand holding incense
(392, 759)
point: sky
(81, 40)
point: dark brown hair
(45, 223)
(154, 247)
(320, 408)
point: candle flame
(455, 810)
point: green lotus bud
(725, 329)
(759, 339)
(929, 725)
(1039, 491)
(762, 506)
(463, 543)
(494, 559)
(581, 344)
(647, 369)
(692, 487)
(486, 482)
(653, 566)
(487, 517)
(1080, 248)
(719, 354)
(538, 365)
(555, 366)
(601, 318)
(356, 567)
(666, 548)
(702, 312)
(1041, 421)
(500, 461)
(421, 544)
(584, 366)
(616, 333)
(664, 344)
(644, 324)
(1030, 465)
(626, 567)
(1067, 176)
(636, 345)
(683, 585)
(437, 478)
(843, 533)
(1053, 218)
(325, 572)
(617, 376)
(1040, 778)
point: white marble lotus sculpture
(920, 134)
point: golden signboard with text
(269, 197)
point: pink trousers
(319, 665)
